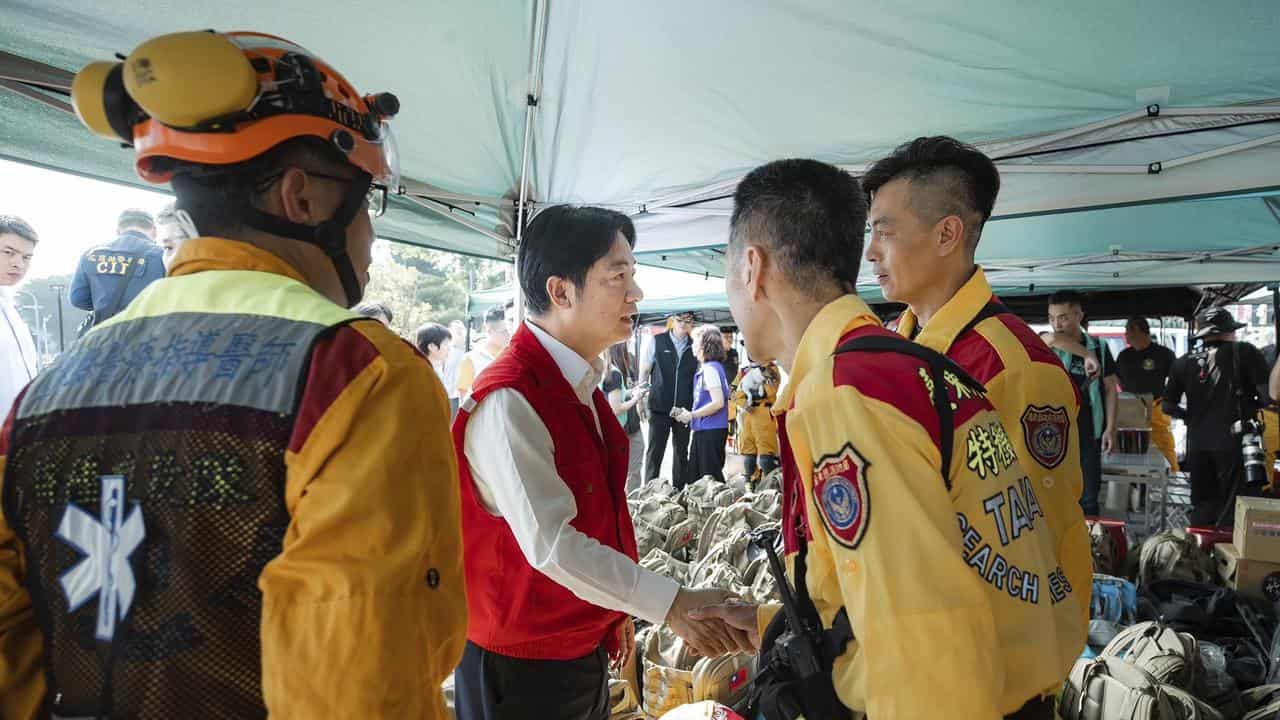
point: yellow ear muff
(184, 79)
(101, 103)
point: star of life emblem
(106, 542)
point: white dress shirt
(18, 360)
(512, 461)
(450, 374)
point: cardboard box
(1257, 529)
(1252, 578)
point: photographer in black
(1225, 383)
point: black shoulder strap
(939, 366)
(990, 310)
(831, 643)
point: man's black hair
(135, 219)
(565, 241)
(1137, 322)
(432, 334)
(1067, 297)
(948, 177)
(218, 197)
(14, 225)
(496, 314)
(811, 216)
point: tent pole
(1219, 152)
(531, 103)
(1275, 313)
(444, 211)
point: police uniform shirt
(1144, 371)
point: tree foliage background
(421, 285)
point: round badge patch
(1148, 364)
(840, 490)
(1046, 431)
(841, 503)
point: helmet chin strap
(330, 236)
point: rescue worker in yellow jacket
(755, 391)
(910, 528)
(929, 201)
(210, 505)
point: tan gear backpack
(725, 522)
(1173, 555)
(1188, 706)
(662, 562)
(1261, 703)
(673, 677)
(1171, 657)
(1105, 688)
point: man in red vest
(550, 553)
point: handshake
(714, 622)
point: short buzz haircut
(809, 215)
(432, 334)
(135, 218)
(14, 225)
(495, 315)
(947, 177)
(711, 342)
(1137, 322)
(1067, 297)
(564, 241)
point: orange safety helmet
(215, 99)
(224, 98)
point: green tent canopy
(1137, 145)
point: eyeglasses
(375, 198)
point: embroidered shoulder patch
(840, 490)
(1046, 431)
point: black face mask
(330, 236)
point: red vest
(514, 609)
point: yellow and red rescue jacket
(289, 541)
(1038, 404)
(952, 584)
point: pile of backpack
(700, 537)
(1166, 642)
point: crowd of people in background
(681, 390)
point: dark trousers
(767, 464)
(661, 426)
(706, 454)
(1214, 474)
(489, 686)
(1090, 463)
(1037, 709)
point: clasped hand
(714, 622)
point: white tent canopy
(1113, 118)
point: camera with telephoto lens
(1255, 460)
